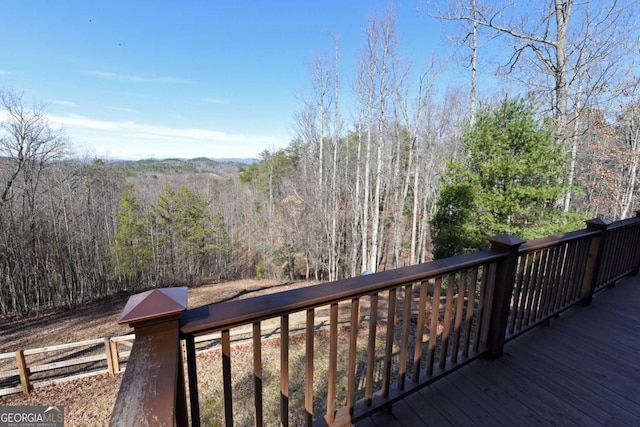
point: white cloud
(132, 140)
(122, 109)
(61, 102)
(215, 101)
(134, 78)
(4, 72)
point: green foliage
(131, 249)
(186, 218)
(509, 181)
(260, 270)
(271, 168)
(452, 224)
(153, 167)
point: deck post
(151, 393)
(502, 291)
(637, 267)
(594, 259)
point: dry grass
(210, 378)
(89, 401)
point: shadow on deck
(580, 370)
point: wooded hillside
(355, 190)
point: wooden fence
(22, 370)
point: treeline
(358, 189)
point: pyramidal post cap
(154, 304)
(505, 240)
(596, 223)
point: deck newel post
(502, 291)
(637, 267)
(151, 392)
(594, 259)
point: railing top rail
(624, 223)
(234, 313)
(547, 242)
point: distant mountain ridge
(220, 166)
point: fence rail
(402, 330)
(38, 367)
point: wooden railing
(348, 348)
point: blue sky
(139, 79)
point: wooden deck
(581, 370)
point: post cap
(154, 304)
(597, 223)
(505, 240)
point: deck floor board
(582, 370)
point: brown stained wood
(284, 370)
(521, 305)
(433, 328)
(487, 286)
(459, 309)
(596, 260)
(154, 304)
(517, 291)
(226, 378)
(547, 283)
(371, 346)
(480, 339)
(257, 374)
(308, 383)
(569, 277)
(192, 373)
(353, 347)
(576, 268)
(614, 253)
(554, 280)
(426, 412)
(217, 316)
(558, 239)
(581, 370)
(558, 279)
(525, 316)
(538, 297)
(148, 393)
(505, 273)
(422, 318)
(594, 399)
(469, 315)
(404, 342)
(388, 350)
(579, 267)
(446, 329)
(333, 363)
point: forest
(409, 170)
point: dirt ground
(89, 401)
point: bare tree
(565, 52)
(27, 143)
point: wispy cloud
(134, 78)
(133, 140)
(122, 109)
(151, 132)
(4, 72)
(215, 101)
(61, 102)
